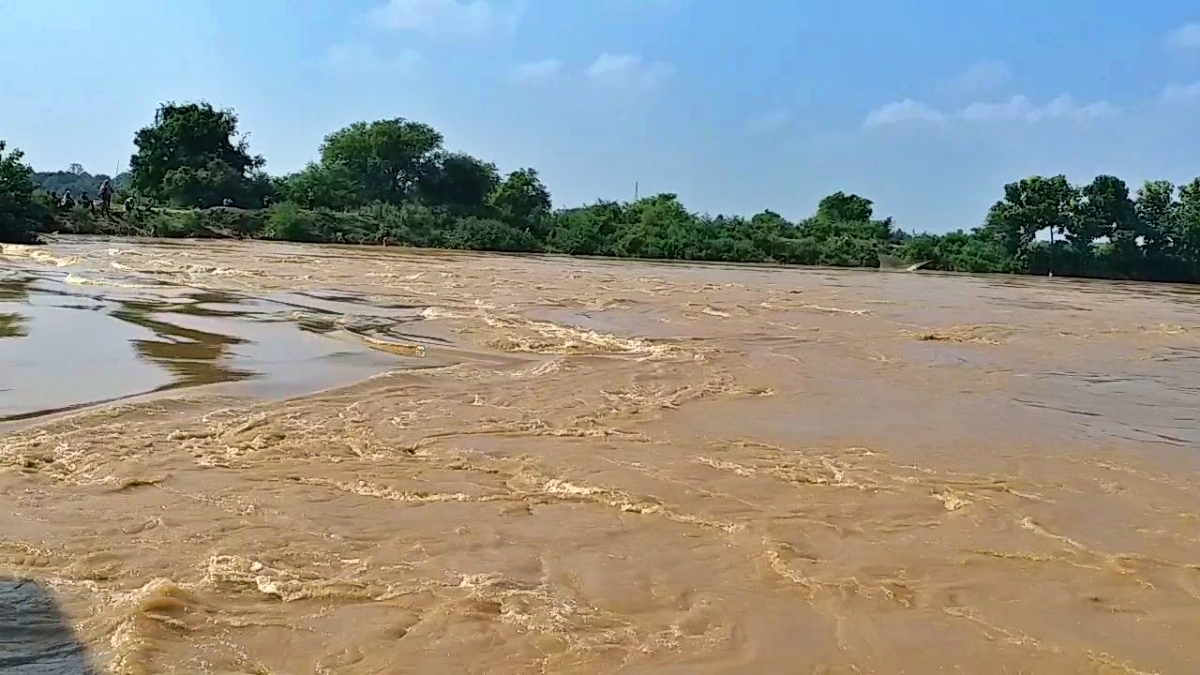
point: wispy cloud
(536, 73)
(1185, 37)
(1181, 93)
(903, 112)
(628, 73)
(442, 18)
(1019, 108)
(982, 77)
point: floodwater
(321, 459)
(74, 341)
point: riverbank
(626, 234)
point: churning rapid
(546, 465)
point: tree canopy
(19, 213)
(394, 181)
(387, 159)
(192, 155)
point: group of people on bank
(67, 201)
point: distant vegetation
(75, 180)
(393, 182)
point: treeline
(76, 180)
(393, 182)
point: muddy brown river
(234, 457)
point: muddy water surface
(353, 460)
(74, 341)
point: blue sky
(928, 107)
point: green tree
(386, 159)
(658, 226)
(523, 201)
(19, 213)
(842, 207)
(320, 186)
(1107, 210)
(459, 180)
(210, 185)
(1031, 205)
(1156, 211)
(586, 230)
(768, 230)
(193, 155)
(1186, 229)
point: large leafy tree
(1157, 212)
(459, 180)
(847, 218)
(1107, 210)
(842, 207)
(1186, 228)
(322, 186)
(1031, 205)
(193, 155)
(658, 226)
(521, 199)
(19, 214)
(387, 159)
(766, 229)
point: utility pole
(635, 190)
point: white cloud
(983, 77)
(773, 121)
(1185, 37)
(903, 112)
(536, 73)
(448, 17)
(1019, 108)
(628, 73)
(360, 58)
(1181, 93)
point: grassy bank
(652, 228)
(379, 224)
(623, 231)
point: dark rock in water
(35, 636)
